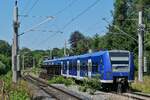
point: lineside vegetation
(10, 91)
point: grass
(12, 91)
(36, 71)
(89, 84)
(61, 80)
(142, 87)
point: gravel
(39, 94)
(99, 95)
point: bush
(143, 87)
(15, 92)
(69, 82)
(83, 88)
(92, 84)
(61, 80)
(2, 68)
(5, 63)
(36, 71)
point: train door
(101, 67)
(70, 67)
(74, 69)
(83, 67)
(64, 67)
(95, 66)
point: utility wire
(26, 6)
(34, 4)
(69, 5)
(57, 13)
(84, 11)
(62, 10)
(34, 16)
(30, 9)
(45, 31)
(80, 14)
(121, 30)
(52, 35)
(30, 29)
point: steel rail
(54, 91)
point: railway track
(132, 95)
(54, 91)
(61, 94)
(138, 96)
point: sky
(55, 33)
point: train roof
(79, 56)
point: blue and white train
(115, 67)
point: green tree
(5, 48)
(5, 57)
(56, 52)
(2, 68)
(74, 39)
(83, 46)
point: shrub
(61, 80)
(83, 88)
(92, 84)
(2, 68)
(69, 82)
(36, 71)
(7, 62)
(143, 87)
(15, 92)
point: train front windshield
(119, 61)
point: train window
(64, 67)
(70, 67)
(74, 67)
(84, 68)
(94, 67)
(119, 61)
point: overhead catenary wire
(121, 30)
(80, 14)
(62, 10)
(56, 14)
(33, 16)
(26, 6)
(34, 4)
(30, 29)
(52, 35)
(45, 31)
(30, 9)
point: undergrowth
(61, 80)
(12, 91)
(36, 71)
(142, 86)
(90, 85)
